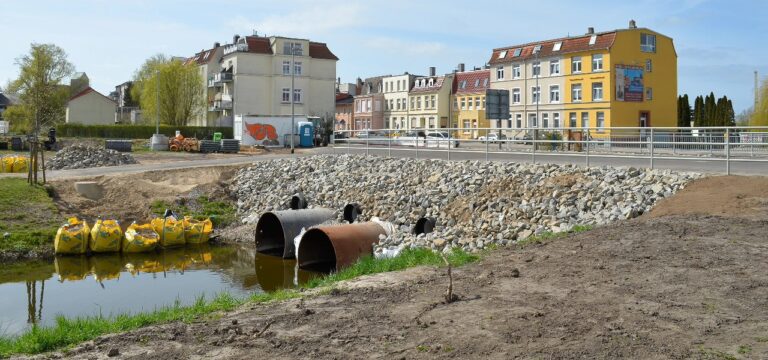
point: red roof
(258, 45)
(87, 91)
(320, 51)
(569, 45)
(476, 81)
(203, 57)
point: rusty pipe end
(332, 248)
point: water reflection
(112, 283)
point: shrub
(137, 131)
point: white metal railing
(726, 144)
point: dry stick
(449, 294)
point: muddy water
(35, 292)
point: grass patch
(707, 353)
(221, 213)
(547, 236)
(67, 332)
(28, 215)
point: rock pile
(85, 156)
(476, 204)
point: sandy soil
(656, 287)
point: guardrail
(726, 144)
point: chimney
(216, 44)
(431, 71)
(632, 24)
(461, 67)
(590, 30)
(235, 38)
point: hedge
(137, 131)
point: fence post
(449, 145)
(366, 143)
(389, 143)
(533, 142)
(727, 152)
(417, 144)
(348, 139)
(586, 139)
(651, 147)
(487, 141)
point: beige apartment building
(253, 77)
(429, 101)
(396, 100)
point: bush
(137, 131)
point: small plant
(745, 349)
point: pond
(37, 291)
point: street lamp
(293, 95)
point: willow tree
(760, 113)
(168, 88)
(42, 96)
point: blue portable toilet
(306, 135)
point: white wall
(91, 109)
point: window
(519, 120)
(398, 85)
(500, 73)
(532, 120)
(556, 120)
(648, 65)
(463, 84)
(485, 82)
(600, 120)
(576, 92)
(572, 119)
(286, 67)
(517, 52)
(477, 82)
(516, 71)
(418, 102)
(297, 50)
(648, 43)
(592, 39)
(297, 98)
(516, 95)
(398, 104)
(545, 120)
(455, 103)
(477, 103)
(432, 100)
(554, 67)
(412, 100)
(554, 94)
(649, 93)
(287, 95)
(463, 104)
(557, 46)
(297, 68)
(576, 64)
(368, 105)
(470, 104)
(502, 54)
(466, 126)
(585, 119)
(597, 62)
(536, 48)
(597, 91)
(535, 93)
(536, 68)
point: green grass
(548, 236)
(222, 213)
(28, 215)
(708, 353)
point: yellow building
(620, 78)
(469, 103)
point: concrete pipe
(332, 248)
(275, 230)
(424, 225)
(352, 211)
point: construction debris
(84, 156)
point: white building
(86, 105)
(252, 76)
(396, 100)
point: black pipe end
(352, 211)
(298, 202)
(424, 225)
(316, 252)
(270, 237)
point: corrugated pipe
(276, 229)
(332, 248)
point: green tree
(760, 113)
(39, 86)
(683, 111)
(20, 118)
(698, 111)
(180, 90)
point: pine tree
(686, 112)
(730, 114)
(698, 111)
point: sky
(719, 43)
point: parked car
(493, 138)
(440, 139)
(411, 138)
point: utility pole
(293, 95)
(157, 102)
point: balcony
(222, 77)
(220, 105)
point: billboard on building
(265, 130)
(629, 83)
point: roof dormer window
(592, 40)
(431, 82)
(557, 46)
(517, 52)
(503, 54)
(477, 82)
(463, 84)
(537, 48)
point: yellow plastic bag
(171, 231)
(106, 236)
(140, 238)
(72, 237)
(20, 165)
(197, 231)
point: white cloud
(311, 21)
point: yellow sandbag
(140, 238)
(106, 236)
(197, 231)
(7, 164)
(171, 231)
(20, 165)
(106, 266)
(71, 268)
(72, 237)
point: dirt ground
(661, 286)
(129, 197)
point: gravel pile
(476, 203)
(85, 156)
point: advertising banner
(264, 130)
(629, 83)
